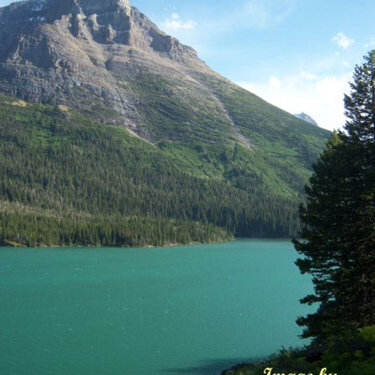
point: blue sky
(296, 54)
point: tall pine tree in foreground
(338, 237)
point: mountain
(93, 55)
(113, 132)
(305, 117)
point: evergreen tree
(338, 235)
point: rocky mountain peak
(87, 5)
(84, 53)
(103, 21)
(305, 117)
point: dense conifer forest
(66, 179)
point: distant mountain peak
(305, 117)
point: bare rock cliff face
(84, 53)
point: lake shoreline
(15, 245)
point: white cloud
(342, 41)
(175, 24)
(320, 97)
(370, 43)
(307, 75)
(274, 82)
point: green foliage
(42, 230)
(63, 170)
(347, 355)
(338, 237)
(368, 333)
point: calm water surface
(185, 310)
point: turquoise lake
(183, 310)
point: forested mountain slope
(125, 137)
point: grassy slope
(242, 135)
